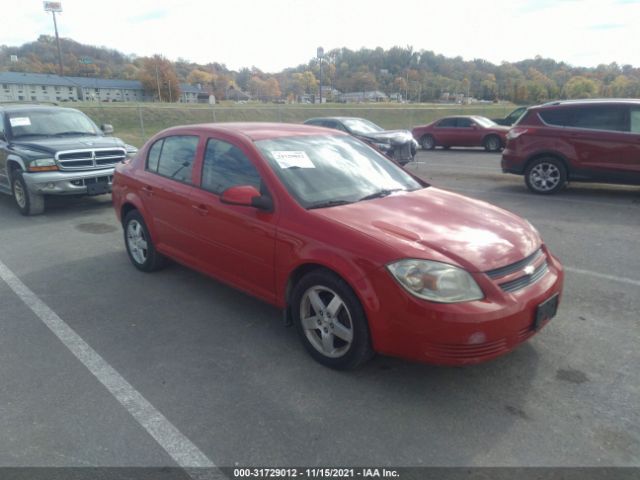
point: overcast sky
(274, 34)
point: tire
(545, 176)
(28, 203)
(427, 142)
(330, 321)
(140, 248)
(492, 143)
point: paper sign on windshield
(20, 121)
(293, 159)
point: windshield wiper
(63, 134)
(380, 194)
(26, 135)
(330, 203)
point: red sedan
(462, 131)
(362, 256)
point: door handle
(147, 190)
(201, 209)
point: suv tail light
(516, 132)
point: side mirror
(247, 196)
(106, 128)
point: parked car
(50, 150)
(512, 118)
(362, 256)
(461, 131)
(398, 145)
(579, 141)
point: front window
(50, 123)
(323, 171)
(360, 126)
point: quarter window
(226, 166)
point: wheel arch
(356, 285)
(548, 154)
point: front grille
(536, 259)
(90, 159)
(467, 351)
(402, 152)
(522, 282)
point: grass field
(135, 123)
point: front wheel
(331, 321)
(140, 248)
(28, 203)
(545, 176)
(428, 142)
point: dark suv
(580, 141)
(50, 150)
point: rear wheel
(545, 175)
(331, 321)
(492, 143)
(28, 203)
(140, 248)
(428, 142)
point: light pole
(320, 53)
(54, 7)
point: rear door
(445, 132)
(605, 146)
(167, 182)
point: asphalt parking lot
(225, 382)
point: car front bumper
(462, 333)
(70, 183)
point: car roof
(256, 131)
(590, 101)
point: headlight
(43, 165)
(131, 150)
(435, 281)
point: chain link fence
(135, 124)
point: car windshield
(324, 171)
(484, 122)
(50, 123)
(360, 126)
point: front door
(236, 243)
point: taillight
(516, 132)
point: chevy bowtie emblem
(529, 269)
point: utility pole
(54, 7)
(158, 83)
(320, 53)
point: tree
(581, 87)
(159, 79)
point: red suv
(581, 141)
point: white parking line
(179, 447)
(614, 278)
(554, 199)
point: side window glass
(154, 155)
(447, 122)
(560, 117)
(226, 166)
(635, 120)
(177, 157)
(601, 118)
(464, 123)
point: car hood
(394, 137)
(435, 224)
(51, 146)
